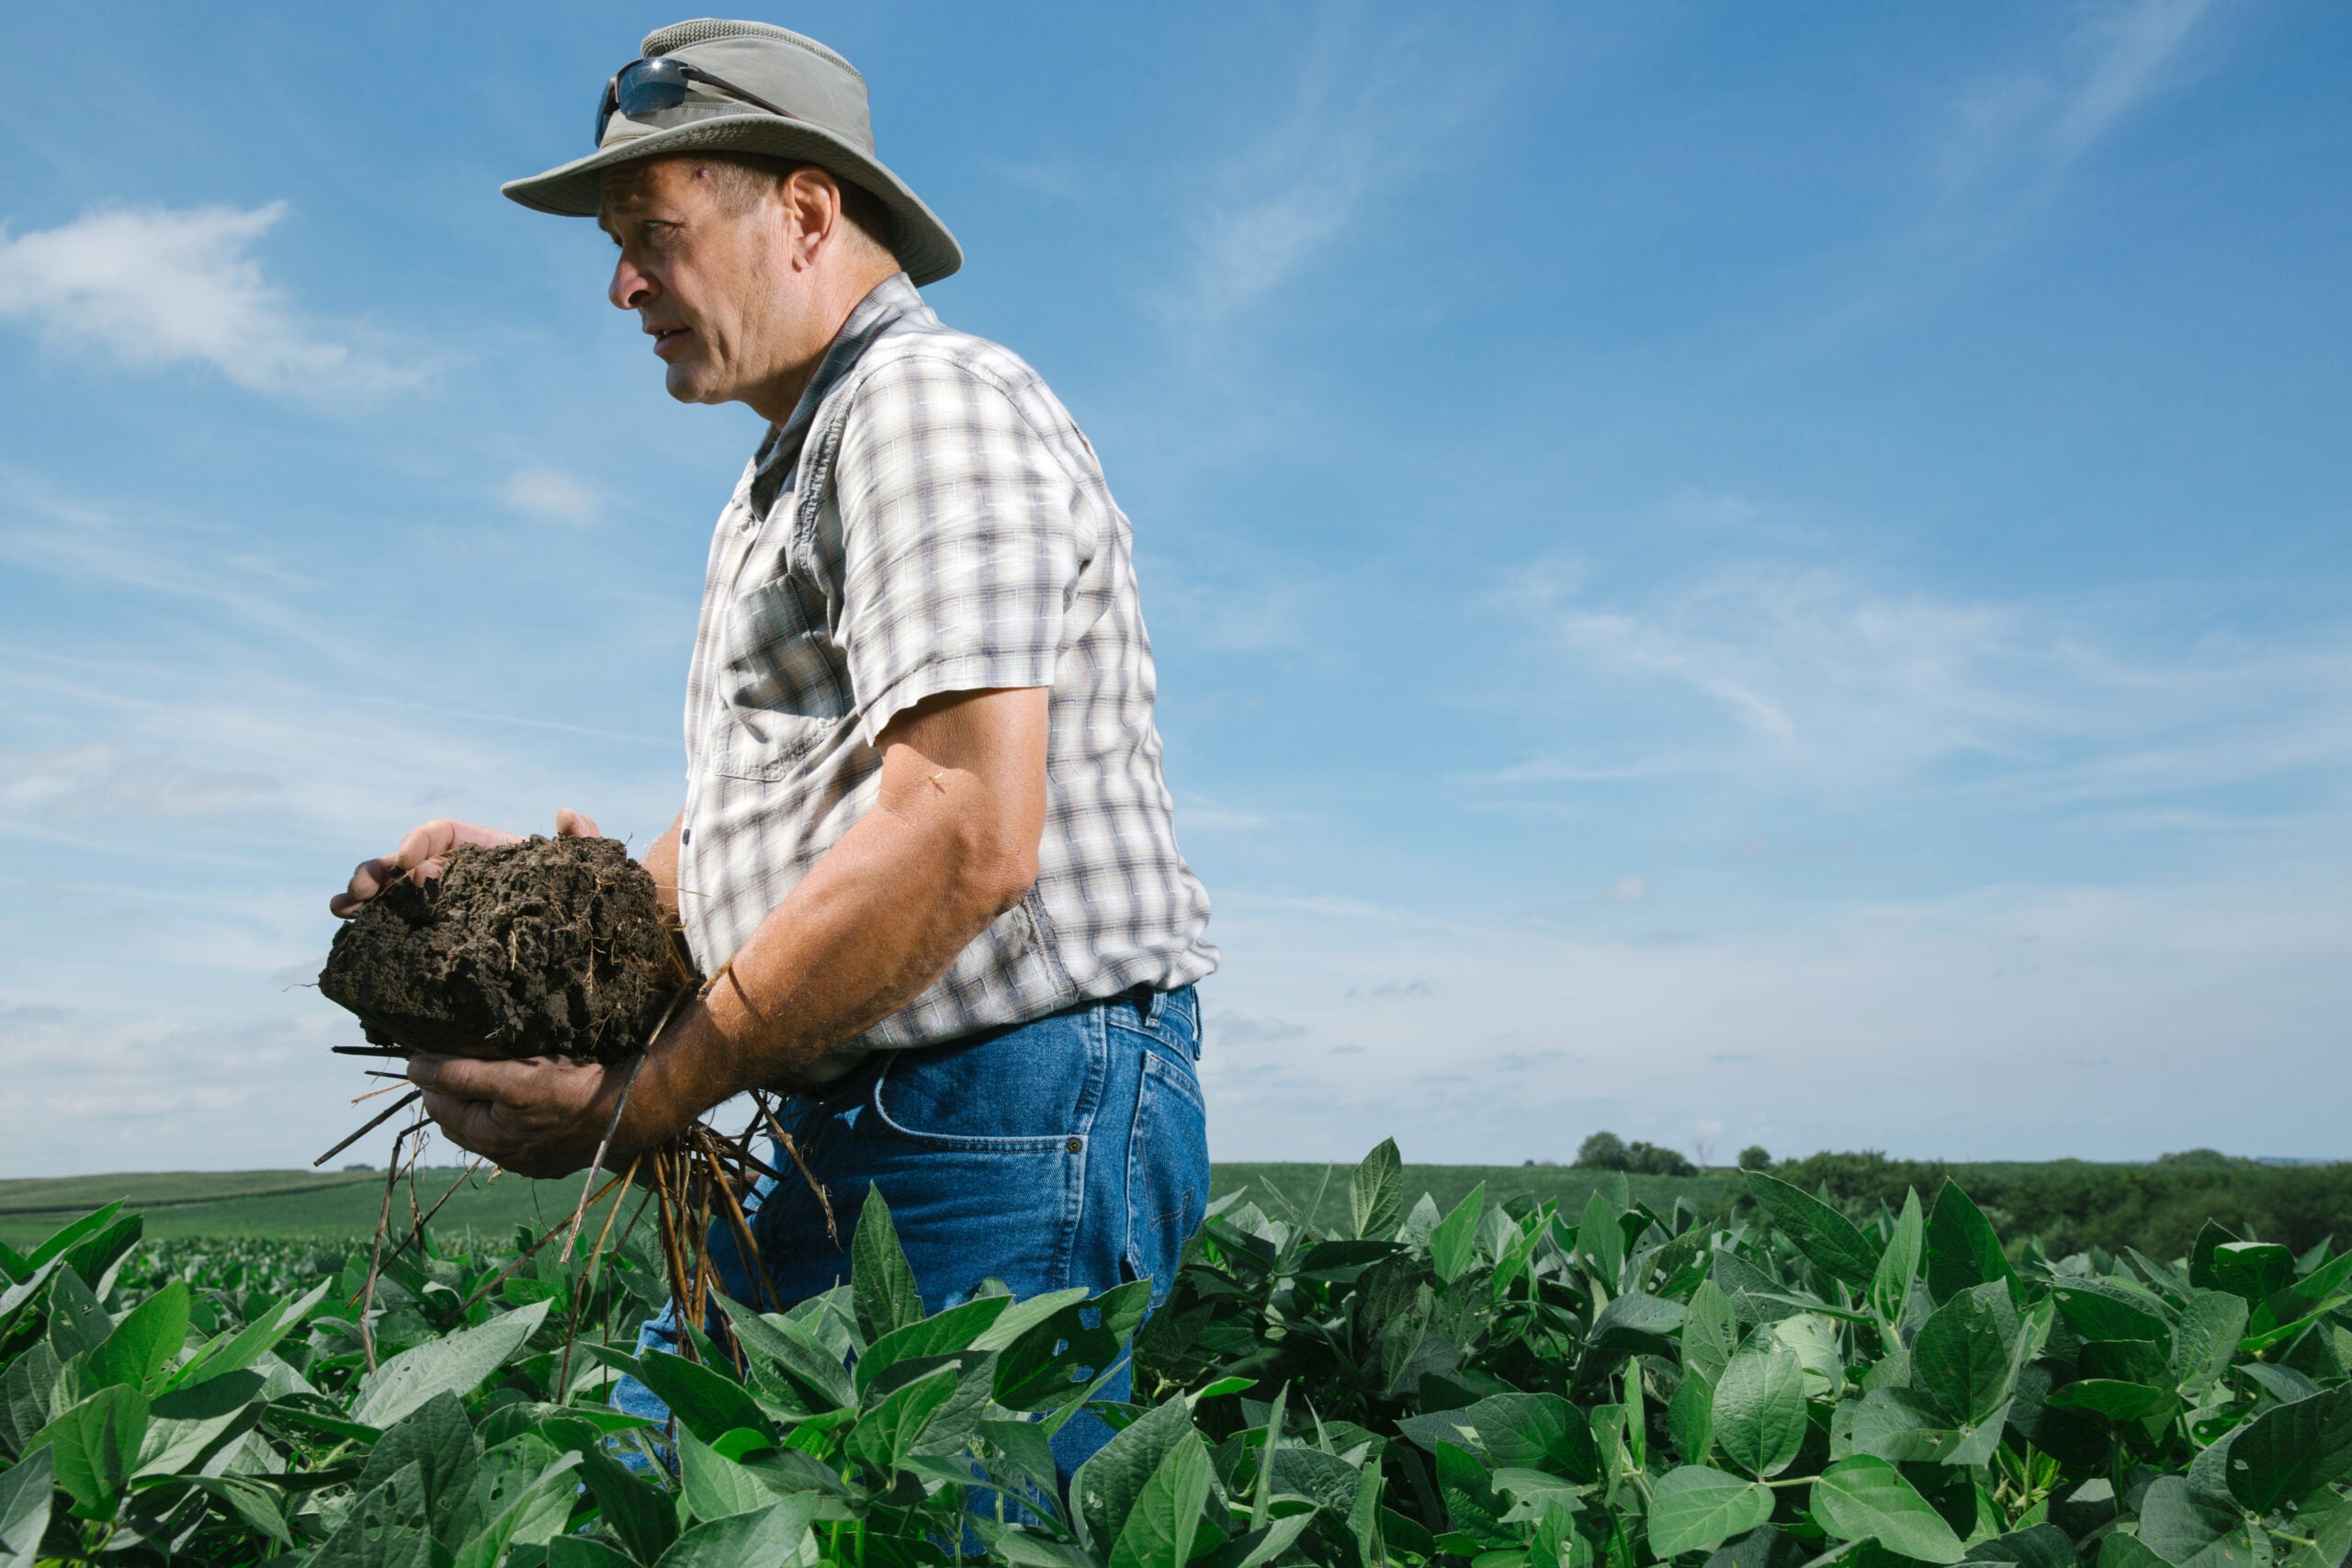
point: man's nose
(631, 289)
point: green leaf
(1636, 1325)
(1902, 1427)
(701, 1398)
(888, 1432)
(580, 1552)
(454, 1365)
(2044, 1546)
(942, 1334)
(1471, 1505)
(785, 1355)
(1821, 1232)
(233, 1353)
(882, 1284)
(2099, 1309)
(1962, 1251)
(1535, 1430)
(1709, 1331)
(1690, 1419)
(1453, 1246)
(715, 1485)
(147, 1337)
(2110, 1397)
(2207, 1339)
(1105, 1488)
(184, 1424)
(1891, 1281)
(1864, 1497)
(2178, 1522)
(1052, 1363)
(2120, 1551)
(1376, 1193)
(1021, 1316)
(25, 1495)
(531, 1520)
(62, 1241)
(2291, 1450)
(1759, 1411)
(96, 1447)
(2252, 1270)
(644, 1518)
(1961, 1360)
(438, 1439)
(1599, 1244)
(1160, 1527)
(775, 1536)
(1697, 1510)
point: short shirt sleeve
(958, 539)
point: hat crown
(790, 71)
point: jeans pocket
(1168, 1171)
(1026, 1089)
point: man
(925, 838)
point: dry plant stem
(376, 1258)
(370, 1050)
(606, 1142)
(417, 1235)
(387, 1088)
(588, 1274)
(499, 1278)
(739, 1223)
(783, 1139)
(403, 1103)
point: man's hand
(538, 1116)
(422, 853)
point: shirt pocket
(783, 680)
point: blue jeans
(1069, 1151)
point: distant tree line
(2067, 1205)
(2071, 1205)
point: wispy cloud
(2135, 49)
(549, 493)
(1823, 679)
(2047, 113)
(158, 286)
(1364, 113)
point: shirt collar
(891, 299)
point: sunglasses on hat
(642, 86)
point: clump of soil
(550, 947)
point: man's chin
(691, 384)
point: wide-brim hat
(830, 128)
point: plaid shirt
(930, 520)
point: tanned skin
(743, 297)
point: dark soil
(551, 947)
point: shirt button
(1077, 1145)
(685, 836)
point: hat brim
(921, 242)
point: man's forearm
(661, 862)
(879, 918)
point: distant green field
(281, 1205)
(292, 1205)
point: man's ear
(812, 212)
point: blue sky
(1732, 577)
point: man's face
(710, 285)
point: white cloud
(1966, 1026)
(157, 286)
(1364, 114)
(1628, 890)
(103, 781)
(2136, 47)
(549, 493)
(2043, 116)
(1822, 679)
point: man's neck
(775, 400)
